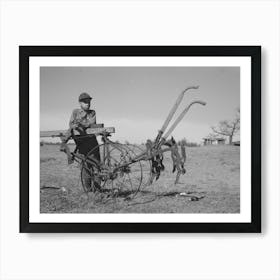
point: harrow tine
(183, 153)
(178, 177)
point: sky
(137, 100)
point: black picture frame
(25, 52)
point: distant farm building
(213, 141)
(236, 143)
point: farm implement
(124, 168)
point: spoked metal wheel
(136, 150)
(115, 173)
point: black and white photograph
(140, 140)
(142, 135)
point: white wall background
(139, 256)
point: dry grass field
(210, 185)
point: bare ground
(211, 185)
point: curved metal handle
(175, 107)
(180, 117)
(172, 111)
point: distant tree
(228, 128)
(191, 144)
(212, 135)
(126, 142)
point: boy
(80, 120)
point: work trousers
(84, 146)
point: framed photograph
(140, 139)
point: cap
(83, 96)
